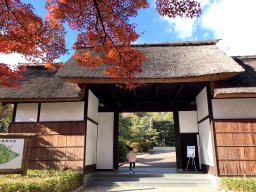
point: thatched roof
(242, 85)
(166, 63)
(39, 85)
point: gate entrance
(151, 136)
(180, 98)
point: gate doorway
(151, 135)
(180, 98)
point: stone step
(147, 184)
(150, 179)
(152, 175)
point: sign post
(191, 154)
(14, 148)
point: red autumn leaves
(103, 25)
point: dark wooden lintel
(162, 98)
(150, 108)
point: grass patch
(41, 181)
(247, 184)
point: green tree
(125, 124)
(166, 135)
(154, 127)
(138, 126)
(6, 114)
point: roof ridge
(181, 43)
(171, 44)
(244, 57)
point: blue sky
(229, 20)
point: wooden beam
(152, 99)
(85, 125)
(115, 141)
(14, 112)
(177, 140)
(38, 112)
(150, 108)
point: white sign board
(191, 151)
(11, 153)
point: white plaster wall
(188, 122)
(206, 148)
(244, 108)
(202, 104)
(26, 112)
(93, 104)
(62, 111)
(105, 141)
(91, 143)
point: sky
(232, 21)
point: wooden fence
(236, 146)
(57, 145)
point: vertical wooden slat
(57, 145)
(236, 146)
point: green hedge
(239, 183)
(123, 150)
(41, 181)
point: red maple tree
(103, 25)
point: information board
(14, 152)
(191, 151)
(11, 153)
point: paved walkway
(159, 157)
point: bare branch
(106, 34)
(22, 25)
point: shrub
(139, 145)
(239, 183)
(123, 150)
(41, 181)
(146, 146)
(136, 147)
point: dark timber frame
(177, 141)
(86, 93)
(173, 97)
(115, 141)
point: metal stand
(193, 163)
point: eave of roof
(41, 85)
(240, 86)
